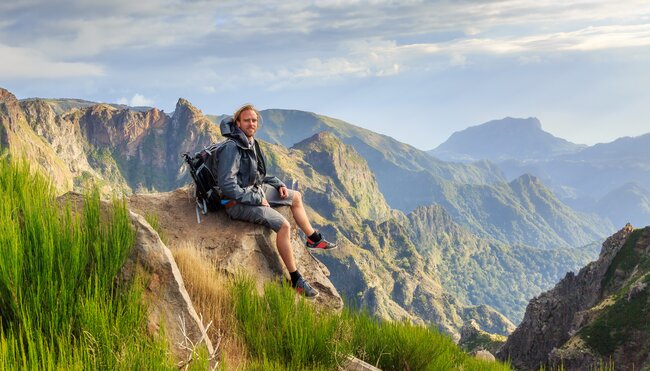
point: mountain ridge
(430, 181)
(581, 178)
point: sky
(417, 71)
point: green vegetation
(153, 221)
(481, 271)
(283, 332)
(625, 260)
(629, 313)
(484, 340)
(279, 330)
(614, 326)
(61, 306)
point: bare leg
(284, 246)
(299, 214)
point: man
(248, 193)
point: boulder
(355, 364)
(234, 246)
(483, 355)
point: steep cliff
(602, 313)
(18, 138)
(119, 148)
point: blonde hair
(247, 107)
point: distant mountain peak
(323, 139)
(102, 107)
(183, 105)
(499, 140)
(508, 122)
(528, 179)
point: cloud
(27, 63)
(587, 39)
(212, 46)
(68, 29)
(136, 101)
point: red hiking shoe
(323, 244)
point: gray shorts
(263, 215)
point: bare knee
(297, 197)
(285, 227)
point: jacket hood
(230, 130)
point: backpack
(206, 192)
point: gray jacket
(241, 172)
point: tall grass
(60, 304)
(282, 330)
(405, 346)
(278, 330)
(210, 293)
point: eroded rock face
(235, 246)
(168, 304)
(554, 316)
(474, 340)
(18, 138)
(119, 148)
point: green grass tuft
(153, 221)
(279, 329)
(283, 331)
(61, 306)
(625, 260)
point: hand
(284, 193)
(265, 203)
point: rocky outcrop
(552, 318)
(169, 306)
(234, 246)
(116, 147)
(349, 171)
(17, 137)
(474, 340)
(355, 364)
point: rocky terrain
(600, 314)
(232, 246)
(120, 149)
